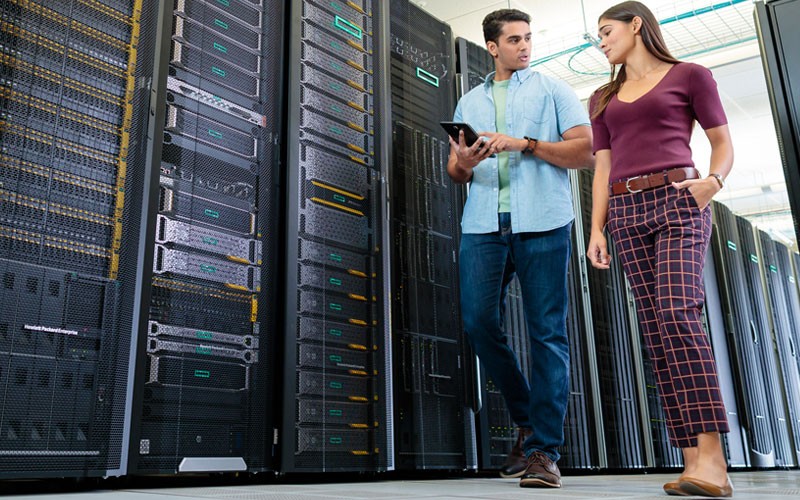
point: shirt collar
(520, 75)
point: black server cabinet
(337, 369)
(744, 346)
(208, 315)
(784, 328)
(764, 343)
(618, 354)
(71, 114)
(778, 37)
(734, 442)
(434, 426)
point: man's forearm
(569, 153)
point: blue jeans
(487, 264)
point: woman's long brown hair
(651, 37)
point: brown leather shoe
(698, 487)
(674, 488)
(516, 462)
(541, 472)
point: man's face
(512, 51)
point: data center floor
(761, 485)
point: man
(517, 219)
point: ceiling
(720, 34)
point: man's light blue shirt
(536, 106)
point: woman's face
(617, 39)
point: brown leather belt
(650, 181)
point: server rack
(337, 354)
(781, 321)
(618, 354)
(734, 442)
(743, 348)
(208, 314)
(434, 427)
(764, 343)
(69, 115)
(776, 23)
(496, 431)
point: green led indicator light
(202, 374)
(335, 281)
(335, 307)
(226, 3)
(337, 258)
(336, 45)
(217, 71)
(335, 86)
(215, 134)
(336, 108)
(336, 385)
(336, 6)
(754, 258)
(211, 213)
(732, 245)
(221, 24)
(336, 66)
(210, 241)
(773, 269)
(427, 77)
(335, 358)
(216, 98)
(202, 350)
(335, 413)
(208, 268)
(347, 27)
(220, 48)
(203, 334)
(335, 440)
(339, 198)
(336, 130)
(335, 332)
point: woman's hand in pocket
(702, 190)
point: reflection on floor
(759, 485)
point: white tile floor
(761, 485)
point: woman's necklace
(659, 65)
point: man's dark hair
(494, 21)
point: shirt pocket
(535, 109)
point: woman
(656, 206)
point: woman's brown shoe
(702, 488)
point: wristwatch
(531, 147)
(719, 179)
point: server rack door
(434, 427)
(743, 349)
(780, 320)
(71, 120)
(789, 279)
(208, 311)
(496, 430)
(622, 392)
(734, 442)
(776, 23)
(337, 385)
(764, 344)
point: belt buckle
(628, 185)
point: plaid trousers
(661, 238)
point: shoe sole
(513, 476)
(537, 483)
(676, 492)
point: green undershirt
(499, 93)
